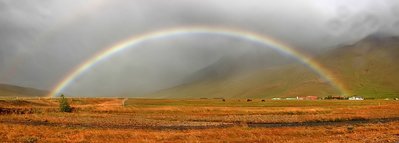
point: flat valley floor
(198, 120)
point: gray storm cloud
(42, 41)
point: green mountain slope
(289, 81)
(368, 68)
(17, 91)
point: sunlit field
(198, 120)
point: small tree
(64, 105)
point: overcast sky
(42, 40)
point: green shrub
(64, 105)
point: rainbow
(236, 33)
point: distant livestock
(263, 100)
(249, 100)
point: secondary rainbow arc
(245, 35)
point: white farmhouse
(356, 98)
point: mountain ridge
(7, 90)
(367, 68)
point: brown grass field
(199, 120)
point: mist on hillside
(43, 41)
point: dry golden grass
(106, 120)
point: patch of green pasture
(254, 103)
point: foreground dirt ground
(205, 120)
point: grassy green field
(253, 103)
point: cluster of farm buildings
(317, 98)
(328, 98)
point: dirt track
(204, 125)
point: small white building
(356, 98)
(291, 98)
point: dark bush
(64, 105)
